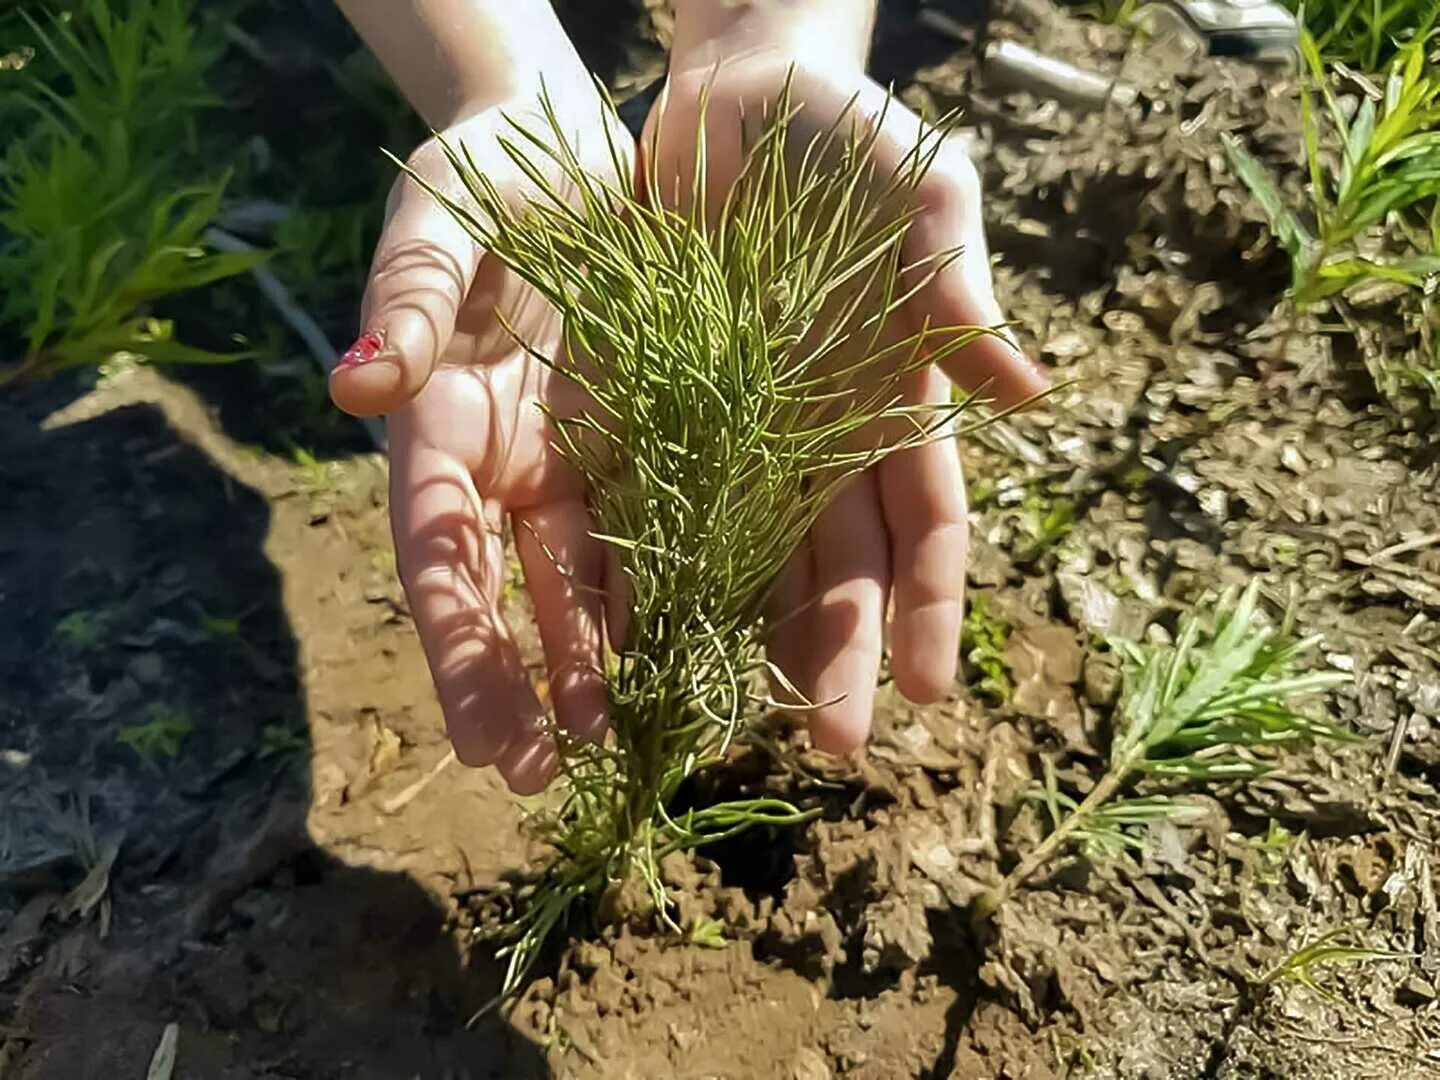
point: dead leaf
(162, 1064)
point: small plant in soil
(1389, 163)
(737, 374)
(1301, 967)
(1210, 708)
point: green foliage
(1389, 163)
(1365, 33)
(158, 737)
(1210, 708)
(1045, 521)
(217, 628)
(708, 933)
(1202, 708)
(95, 227)
(1332, 947)
(983, 639)
(324, 253)
(735, 367)
(83, 632)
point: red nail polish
(367, 347)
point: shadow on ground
(153, 700)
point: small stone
(146, 668)
(1414, 992)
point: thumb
(424, 266)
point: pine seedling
(1389, 163)
(737, 372)
(1209, 708)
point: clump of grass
(1365, 33)
(1209, 708)
(1389, 163)
(737, 373)
(94, 225)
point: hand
(470, 449)
(897, 533)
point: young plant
(737, 374)
(1389, 163)
(1332, 947)
(1207, 708)
(94, 226)
(1365, 33)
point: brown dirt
(274, 894)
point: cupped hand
(471, 451)
(893, 543)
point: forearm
(709, 31)
(452, 58)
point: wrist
(453, 60)
(709, 32)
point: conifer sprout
(1207, 709)
(740, 366)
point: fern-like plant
(737, 371)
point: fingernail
(367, 347)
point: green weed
(1271, 850)
(217, 628)
(1109, 12)
(708, 933)
(318, 479)
(282, 740)
(158, 737)
(1045, 521)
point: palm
(471, 452)
(897, 534)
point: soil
(296, 879)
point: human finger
(564, 570)
(424, 267)
(450, 554)
(922, 494)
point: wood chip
(162, 1063)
